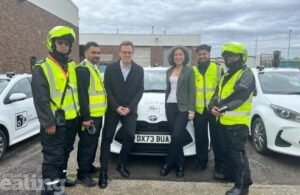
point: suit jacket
(123, 93)
(186, 90)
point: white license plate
(152, 139)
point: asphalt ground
(271, 174)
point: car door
(22, 113)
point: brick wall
(23, 32)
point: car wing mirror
(14, 97)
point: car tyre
(3, 144)
(259, 137)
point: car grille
(160, 128)
(145, 127)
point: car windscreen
(154, 80)
(3, 84)
(280, 82)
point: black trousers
(233, 148)
(201, 122)
(87, 147)
(127, 131)
(56, 150)
(177, 122)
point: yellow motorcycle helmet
(58, 32)
(235, 48)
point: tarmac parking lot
(22, 165)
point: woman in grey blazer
(180, 106)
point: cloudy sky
(262, 25)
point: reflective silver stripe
(52, 182)
(210, 89)
(97, 105)
(93, 91)
(199, 101)
(235, 113)
(96, 93)
(207, 90)
(54, 92)
(249, 100)
(218, 73)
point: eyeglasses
(127, 52)
(62, 42)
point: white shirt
(125, 70)
(172, 96)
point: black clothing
(55, 148)
(83, 84)
(177, 122)
(202, 67)
(108, 132)
(41, 97)
(88, 144)
(63, 59)
(233, 148)
(87, 147)
(121, 93)
(233, 137)
(201, 122)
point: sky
(262, 25)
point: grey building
(150, 49)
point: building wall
(150, 50)
(23, 31)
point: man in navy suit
(124, 84)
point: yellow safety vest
(57, 79)
(206, 85)
(97, 95)
(240, 115)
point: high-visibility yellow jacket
(206, 85)
(96, 90)
(57, 79)
(241, 114)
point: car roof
(5, 76)
(276, 70)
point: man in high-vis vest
(207, 77)
(54, 88)
(231, 104)
(92, 101)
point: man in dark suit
(124, 84)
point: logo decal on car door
(21, 119)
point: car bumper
(283, 136)
(144, 128)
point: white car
(18, 118)
(152, 135)
(275, 116)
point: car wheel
(3, 144)
(259, 137)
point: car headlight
(286, 113)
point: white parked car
(275, 116)
(152, 135)
(18, 118)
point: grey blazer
(186, 90)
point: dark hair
(203, 47)
(90, 44)
(185, 52)
(126, 43)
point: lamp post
(290, 31)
